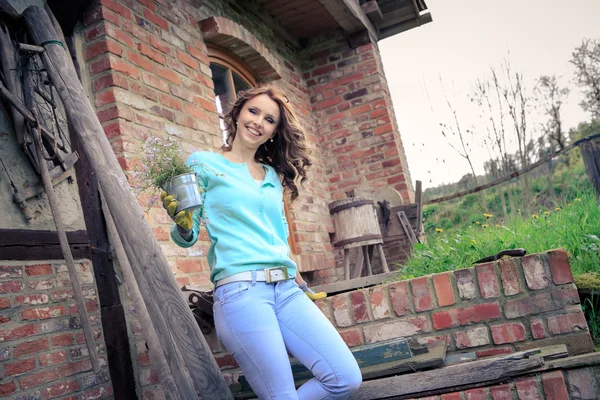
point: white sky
(465, 39)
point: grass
(573, 225)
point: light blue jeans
(259, 323)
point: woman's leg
(312, 339)
(247, 326)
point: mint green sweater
(245, 220)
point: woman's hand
(183, 219)
(308, 291)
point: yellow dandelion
(488, 216)
(439, 230)
(535, 216)
(473, 241)
(497, 226)
(546, 212)
(569, 204)
(578, 200)
(484, 225)
(557, 209)
(477, 222)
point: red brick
(352, 337)
(7, 388)
(508, 333)
(535, 276)
(120, 36)
(104, 98)
(161, 45)
(38, 269)
(140, 61)
(61, 388)
(226, 361)
(104, 46)
(125, 68)
(472, 338)
(351, 78)
(399, 296)
(168, 74)
(11, 286)
(4, 302)
(465, 284)
(488, 281)
(359, 306)
(31, 299)
(95, 31)
(118, 8)
(155, 19)
(475, 394)
(527, 389)
(379, 304)
(38, 379)
(443, 319)
(48, 359)
(479, 313)
(443, 289)
(532, 305)
(34, 346)
(155, 82)
(380, 130)
(567, 323)
(321, 105)
(19, 367)
(102, 392)
(451, 396)
(501, 392)
(76, 368)
(360, 110)
(190, 266)
(421, 294)
(342, 311)
(510, 277)
(149, 52)
(323, 70)
(136, 30)
(65, 339)
(109, 80)
(187, 60)
(560, 269)
(18, 332)
(538, 329)
(496, 351)
(399, 327)
(554, 386)
(43, 312)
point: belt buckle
(276, 274)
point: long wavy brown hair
(288, 154)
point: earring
(271, 140)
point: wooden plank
(433, 358)
(349, 15)
(141, 246)
(419, 202)
(440, 378)
(405, 26)
(344, 286)
(372, 10)
(410, 234)
(26, 237)
(590, 152)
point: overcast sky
(465, 39)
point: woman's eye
(252, 110)
(270, 120)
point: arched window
(230, 75)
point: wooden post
(60, 229)
(157, 356)
(9, 65)
(419, 201)
(590, 151)
(143, 252)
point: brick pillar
(357, 127)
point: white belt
(269, 275)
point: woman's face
(257, 121)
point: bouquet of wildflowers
(162, 160)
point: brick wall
(357, 127)
(492, 308)
(148, 72)
(43, 354)
(576, 384)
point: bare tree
(586, 59)
(551, 97)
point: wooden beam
(352, 284)
(141, 246)
(405, 26)
(419, 202)
(372, 10)
(349, 15)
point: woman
(260, 312)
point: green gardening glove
(183, 219)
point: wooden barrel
(355, 222)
